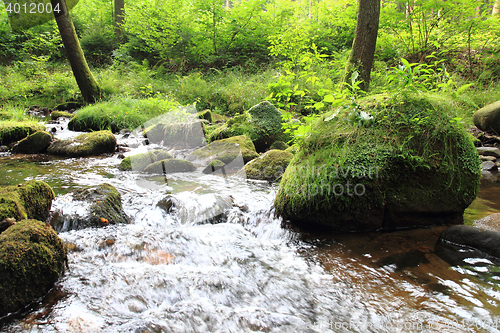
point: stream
(247, 271)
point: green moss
(269, 166)
(88, 144)
(262, 124)
(280, 145)
(170, 166)
(12, 131)
(411, 164)
(34, 143)
(294, 149)
(105, 203)
(206, 115)
(32, 257)
(214, 166)
(226, 150)
(139, 161)
(56, 114)
(4, 115)
(30, 200)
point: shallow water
(247, 272)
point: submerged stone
(139, 162)
(32, 257)
(35, 143)
(408, 167)
(31, 200)
(88, 144)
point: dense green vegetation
(229, 56)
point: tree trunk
(365, 39)
(84, 78)
(496, 8)
(119, 15)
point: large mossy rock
(32, 257)
(31, 200)
(262, 124)
(488, 118)
(12, 131)
(269, 166)
(170, 166)
(139, 162)
(179, 135)
(404, 166)
(88, 144)
(95, 206)
(35, 143)
(226, 150)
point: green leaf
(329, 99)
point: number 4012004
(32, 8)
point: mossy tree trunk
(365, 39)
(84, 78)
(119, 15)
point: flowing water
(247, 271)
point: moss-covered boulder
(56, 114)
(206, 115)
(31, 200)
(96, 206)
(226, 150)
(179, 135)
(214, 166)
(392, 162)
(262, 124)
(269, 166)
(488, 118)
(294, 149)
(12, 131)
(170, 166)
(88, 144)
(280, 145)
(35, 143)
(32, 257)
(140, 161)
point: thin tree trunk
(365, 40)
(119, 15)
(84, 78)
(496, 8)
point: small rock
(488, 165)
(487, 158)
(489, 151)
(490, 222)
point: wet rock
(459, 242)
(487, 158)
(56, 114)
(139, 162)
(226, 151)
(361, 182)
(170, 166)
(35, 143)
(12, 131)
(4, 149)
(88, 144)
(269, 166)
(181, 135)
(32, 257)
(214, 166)
(488, 166)
(489, 151)
(68, 106)
(7, 223)
(262, 124)
(206, 115)
(30, 200)
(488, 118)
(490, 222)
(403, 260)
(96, 206)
